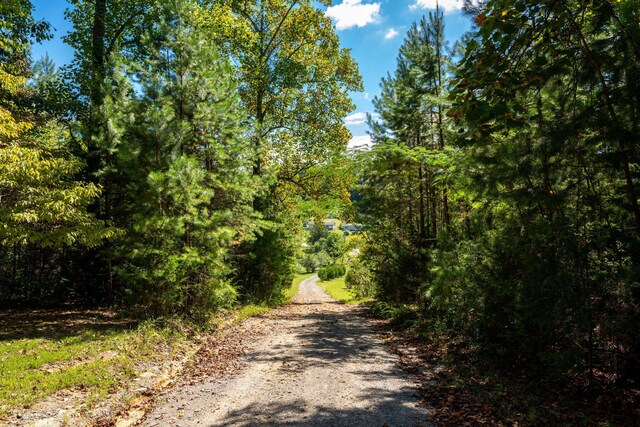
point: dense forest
(501, 194)
(161, 171)
(168, 169)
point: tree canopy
(501, 191)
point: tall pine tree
(188, 171)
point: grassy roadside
(337, 289)
(91, 353)
(95, 353)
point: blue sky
(373, 29)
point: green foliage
(403, 194)
(332, 272)
(317, 232)
(172, 180)
(18, 30)
(264, 267)
(333, 245)
(42, 204)
(359, 279)
(551, 180)
(188, 211)
(309, 262)
(183, 271)
(323, 248)
(45, 205)
(294, 83)
(401, 315)
(509, 209)
(104, 34)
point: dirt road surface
(318, 363)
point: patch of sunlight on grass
(337, 290)
(251, 310)
(94, 361)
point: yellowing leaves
(224, 26)
(9, 127)
(9, 82)
(40, 201)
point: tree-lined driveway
(318, 363)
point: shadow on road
(261, 415)
(331, 337)
(326, 337)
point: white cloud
(352, 13)
(390, 34)
(445, 5)
(362, 142)
(358, 118)
(367, 95)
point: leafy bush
(308, 262)
(332, 245)
(332, 272)
(360, 280)
(401, 315)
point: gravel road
(317, 363)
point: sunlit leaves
(294, 79)
(41, 204)
(190, 188)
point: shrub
(309, 263)
(360, 280)
(332, 272)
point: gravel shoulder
(313, 363)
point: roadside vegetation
(333, 255)
(500, 203)
(90, 354)
(166, 171)
(338, 290)
(141, 176)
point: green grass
(293, 290)
(42, 353)
(95, 359)
(251, 310)
(337, 290)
